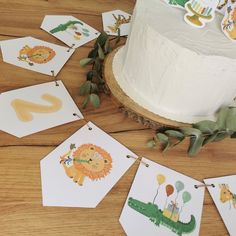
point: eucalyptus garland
(95, 84)
(200, 134)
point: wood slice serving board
(128, 106)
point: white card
(224, 196)
(32, 109)
(162, 202)
(228, 24)
(83, 169)
(69, 30)
(36, 55)
(113, 20)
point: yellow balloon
(161, 179)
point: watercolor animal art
(36, 54)
(226, 195)
(88, 160)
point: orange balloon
(169, 189)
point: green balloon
(179, 186)
(186, 196)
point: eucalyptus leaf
(195, 145)
(221, 136)
(94, 88)
(206, 126)
(100, 52)
(90, 75)
(107, 47)
(97, 65)
(164, 140)
(151, 143)
(85, 88)
(86, 61)
(85, 103)
(94, 99)
(175, 134)
(210, 138)
(118, 36)
(93, 54)
(221, 120)
(102, 39)
(191, 132)
(231, 120)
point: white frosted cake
(172, 69)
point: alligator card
(116, 20)
(36, 55)
(83, 169)
(32, 109)
(162, 202)
(228, 24)
(224, 197)
(69, 30)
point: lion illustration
(37, 54)
(88, 160)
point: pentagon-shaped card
(83, 169)
(114, 20)
(32, 109)
(162, 202)
(34, 54)
(69, 30)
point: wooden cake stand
(128, 106)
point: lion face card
(83, 169)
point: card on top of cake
(35, 108)
(69, 30)
(114, 20)
(228, 23)
(162, 201)
(224, 197)
(84, 168)
(200, 12)
(36, 55)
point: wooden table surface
(21, 210)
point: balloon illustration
(186, 197)
(169, 190)
(179, 186)
(161, 179)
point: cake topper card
(200, 12)
(114, 20)
(32, 109)
(224, 197)
(223, 4)
(228, 23)
(83, 169)
(162, 202)
(69, 30)
(34, 54)
(176, 3)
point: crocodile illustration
(63, 27)
(178, 2)
(155, 214)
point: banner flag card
(36, 55)
(83, 169)
(162, 202)
(69, 30)
(114, 20)
(224, 196)
(223, 5)
(32, 109)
